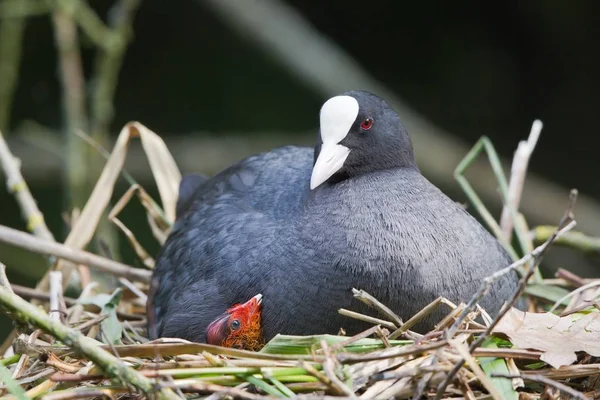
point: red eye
(366, 124)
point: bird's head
(238, 327)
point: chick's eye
(235, 324)
(366, 124)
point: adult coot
(303, 226)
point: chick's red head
(239, 327)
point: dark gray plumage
(375, 224)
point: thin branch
(29, 293)
(377, 305)
(56, 294)
(112, 366)
(16, 184)
(3, 279)
(366, 318)
(415, 319)
(573, 293)
(40, 246)
(517, 178)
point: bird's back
(272, 182)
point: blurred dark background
(221, 79)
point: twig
(42, 374)
(377, 305)
(573, 293)
(424, 381)
(36, 294)
(398, 351)
(32, 243)
(3, 279)
(24, 359)
(366, 318)
(428, 309)
(465, 352)
(16, 184)
(141, 295)
(350, 340)
(56, 290)
(570, 277)
(329, 369)
(27, 313)
(316, 373)
(536, 256)
(575, 240)
(517, 178)
(546, 381)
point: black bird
(303, 226)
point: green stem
(10, 360)
(576, 240)
(282, 388)
(481, 145)
(27, 313)
(484, 144)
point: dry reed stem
(517, 178)
(16, 184)
(62, 251)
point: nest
(95, 346)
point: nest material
(95, 346)
(369, 365)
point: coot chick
(303, 226)
(239, 327)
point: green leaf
(287, 344)
(548, 292)
(111, 327)
(536, 365)
(494, 365)
(10, 360)
(13, 386)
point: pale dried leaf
(558, 337)
(112, 216)
(163, 166)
